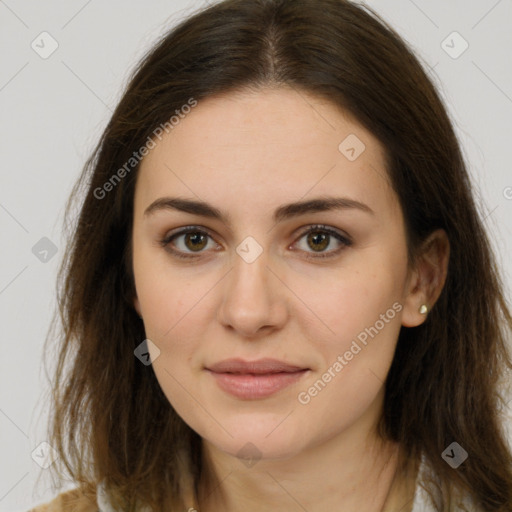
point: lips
(252, 380)
(259, 367)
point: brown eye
(195, 241)
(318, 238)
(186, 242)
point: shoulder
(70, 501)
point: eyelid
(167, 239)
(339, 235)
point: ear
(427, 278)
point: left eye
(319, 237)
(196, 240)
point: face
(322, 290)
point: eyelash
(165, 242)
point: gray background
(54, 109)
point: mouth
(252, 380)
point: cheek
(177, 309)
(172, 309)
(363, 318)
(167, 295)
(341, 305)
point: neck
(344, 473)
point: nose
(254, 299)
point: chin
(251, 449)
(255, 436)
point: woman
(279, 294)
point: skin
(247, 154)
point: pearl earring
(423, 309)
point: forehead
(266, 147)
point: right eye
(193, 239)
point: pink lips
(252, 380)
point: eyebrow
(283, 212)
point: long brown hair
(111, 421)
